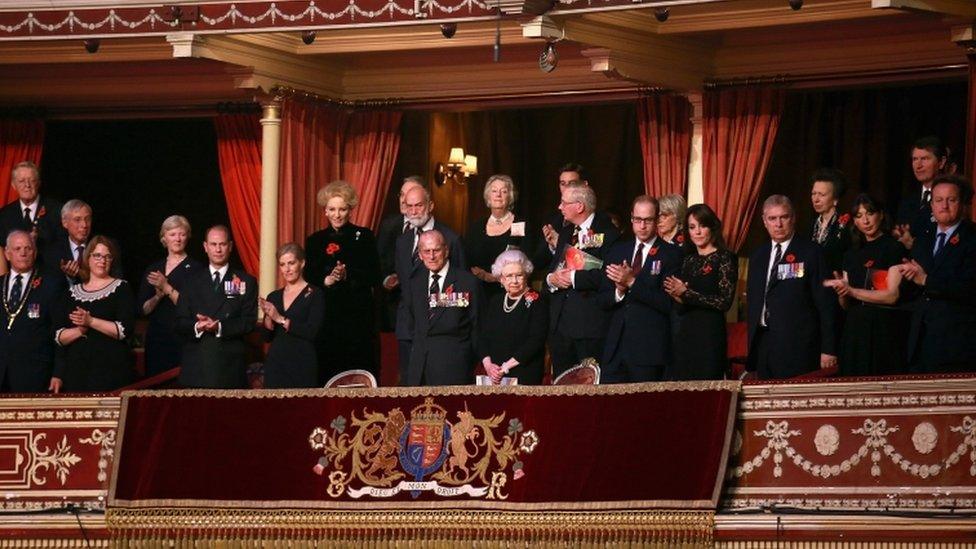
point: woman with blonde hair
(342, 260)
(159, 291)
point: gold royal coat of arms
(381, 455)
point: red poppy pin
(790, 258)
(531, 296)
(707, 268)
(41, 212)
(954, 240)
(680, 238)
(36, 283)
(868, 264)
(652, 252)
(332, 248)
(236, 280)
(449, 289)
(844, 220)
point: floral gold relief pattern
(925, 437)
(430, 453)
(827, 440)
(45, 460)
(106, 441)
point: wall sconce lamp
(459, 167)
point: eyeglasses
(101, 257)
(643, 220)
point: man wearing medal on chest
(791, 317)
(26, 332)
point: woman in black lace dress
(704, 293)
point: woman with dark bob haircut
(704, 292)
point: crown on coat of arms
(428, 412)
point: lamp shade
(457, 156)
(471, 164)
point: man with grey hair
(577, 324)
(791, 314)
(31, 212)
(390, 229)
(26, 319)
(67, 251)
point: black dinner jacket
(946, 310)
(444, 338)
(801, 310)
(575, 311)
(27, 348)
(640, 325)
(390, 230)
(917, 215)
(209, 361)
(48, 225)
(405, 269)
(60, 250)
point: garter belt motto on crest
(381, 455)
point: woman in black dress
(490, 236)
(873, 341)
(832, 232)
(704, 292)
(159, 291)
(98, 316)
(344, 263)
(512, 335)
(292, 320)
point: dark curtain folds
(739, 130)
(370, 142)
(239, 154)
(970, 154)
(20, 140)
(665, 133)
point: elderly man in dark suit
(943, 265)
(791, 314)
(66, 250)
(419, 212)
(390, 230)
(442, 301)
(26, 330)
(215, 312)
(30, 212)
(638, 346)
(577, 323)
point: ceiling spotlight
(796, 4)
(661, 14)
(92, 45)
(448, 29)
(548, 58)
(308, 37)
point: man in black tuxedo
(577, 323)
(442, 301)
(914, 215)
(30, 212)
(390, 229)
(407, 261)
(26, 328)
(65, 252)
(218, 308)
(943, 265)
(638, 344)
(791, 314)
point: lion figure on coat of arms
(382, 446)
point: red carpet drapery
(20, 140)
(740, 128)
(665, 134)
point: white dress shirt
(769, 273)
(24, 280)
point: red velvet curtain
(239, 154)
(20, 140)
(665, 134)
(739, 129)
(320, 144)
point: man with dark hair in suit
(577, 324)
(30, 212)
(390, 230)
(419, 212)
(26, 329)
(442, 301)
(914, 214)
(943, 265)
(791, 314)
(638, 344)
(218, 308)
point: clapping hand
(268, 309)
(206, 324)
(911, 270)
(157, 280)
(839, 285)
(69, 268)
(903, 234)
(80, 318)
(560, 278)
(675, 287)
(550, 234)
(622, 275)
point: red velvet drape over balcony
(239, 155)
(320, 144)
(739, 129)
(665, 134)
(20, 140)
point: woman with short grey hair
(670, 218)
(514, 325)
